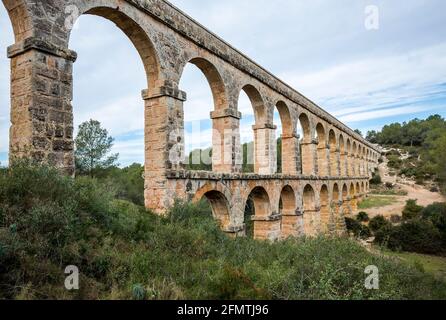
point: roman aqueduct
(324, 173)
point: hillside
(124, 252)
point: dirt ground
(424, 196)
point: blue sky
(367, 78)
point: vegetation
(376, 202)
(423, 230)
(93, 146)
(124, 252)
(425, 263)
(425, 143)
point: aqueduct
(324, 173)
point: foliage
(357, 229)
(376, 179)
(419, 236)
(377, 223)
(93, 145)
(124, 252)
(411, 210)
(362, 217)
(424, 140)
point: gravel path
(422, 195)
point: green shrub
(362, 217)
(376, 179)
(357, 229)
(411, 210)
(416, 236)
(124, 252)
(377, 223)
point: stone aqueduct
(323, 176)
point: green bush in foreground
(124, 252)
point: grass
(433, 265)
(124, 252)
(376, 202)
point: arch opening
(257, 211)
(334, 152)
(284, 132)
(311, 214)
(322, 152)
(252, 128)
(325, 209)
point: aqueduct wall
(324, 173)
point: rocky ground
(423, 196)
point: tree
(358, 132)
(93, 146)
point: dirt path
(422, 195)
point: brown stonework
(320, 175)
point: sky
(369, 63)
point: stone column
(323, 160)
(339, 218)
(226, 149)
(290, 155)
(325, 217)
(291, 223)
(354, 205)
(164, 144)
(267, 227)
(309, 156)
(41, 110)
(349, 169)
(344, 164)
(312, 222)
(357, 166)
(265, 149)
(334, 161)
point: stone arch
(345, 209)
(308, 147)
(349, 170)
(219, 204)
(265, 226)
(305, 123)
(257, 103)
(336, 207)
(287, 209)
(343, 156)
(254, 155)
(215, 81)
(286, 155)
(325, 208)
(355, 159)
(334, 152)
(353, 198)
(311, 212)
(137, 35)
(21, 20)
(358, 189)
(322, 151)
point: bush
(377, 223)
(418, 236)
(362, 217)
(395, 219)
(357, 229)
(376, 179)
(125, 252)
(436, 213)
(411, 210)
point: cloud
(320, 47)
